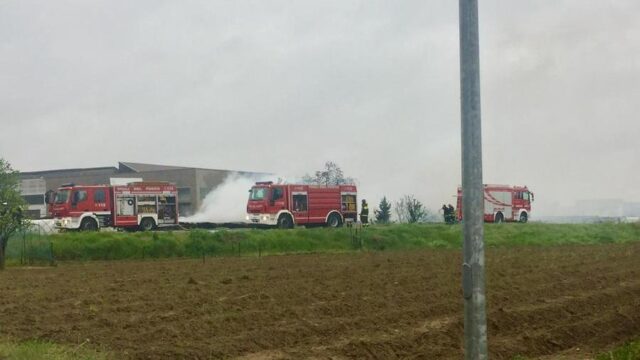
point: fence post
(24, 242)
(52, 259)
(29, 253)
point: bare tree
(411, 210)
(331, 175)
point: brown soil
(542, 302)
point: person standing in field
(452, 214)
(364, 212)
(445, 213)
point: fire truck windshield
(62, 196)
(258, 193)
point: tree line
(407, 209)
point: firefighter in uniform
(364, 212)
(445, 213)
(452, 214)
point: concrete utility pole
(475, 322)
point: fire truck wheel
(524, 217)
(147, 224)
(88, 224)
(499, 218)
(285, 222)
(334, 220)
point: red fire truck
(288, 205)
(138, 205)
(503, 203)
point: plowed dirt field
(569, 301)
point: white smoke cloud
(226, 203)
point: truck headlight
(247, 217)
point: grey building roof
(123, 168)
(64, 172)
(140, 167)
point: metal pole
(475, 322)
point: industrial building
(193, 183)
(611, 208)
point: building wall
(208, 180)
(54, 179)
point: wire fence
(30, 247)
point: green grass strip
(82, 246)
(30, 350)
(628, 351)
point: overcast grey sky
(283, 86)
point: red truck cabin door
(521, 200)
(273, 199)
(277, 199)
(101, 200)
(80, 202)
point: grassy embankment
(629, 351)
(29, 350)
(198, 243)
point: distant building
(631, 209)
(615, 208)
(193, 183)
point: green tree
(383, 214)
(411, 210)
(331, 175)
(11, 206)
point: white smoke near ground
(227, 203)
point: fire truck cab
(141, 205)
(503, 203)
